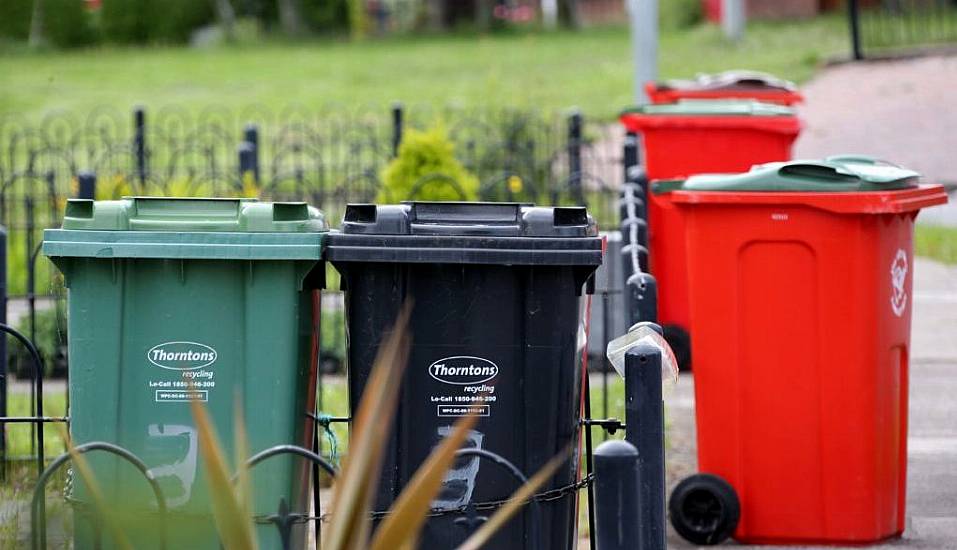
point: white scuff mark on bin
(459, 482)
(182, 470)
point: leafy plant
(426, 169)
(114, 187)
(51, 327)
(358, 19)
(82, 467)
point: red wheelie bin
(727, 85)
(801, 279)
(693, 137)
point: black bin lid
(466, 232)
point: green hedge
(15, 18)
(67, 22)
(50, 342)
(326, 15)
(153, 21)
(680, 14)
(320, 16)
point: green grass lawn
(19, 436)
(936, 242)
(590, 69)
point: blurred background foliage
(77, 23)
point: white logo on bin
(181, 355)
(898, 276)
(463, 370)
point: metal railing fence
(892, 26)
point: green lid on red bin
(713, 107)
(843, 173)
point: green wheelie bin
(179, 300)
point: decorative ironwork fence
(882, 26)
(327, 157)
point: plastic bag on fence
(644, 333)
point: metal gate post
(645, 418)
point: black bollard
(617, 496)
(645, 418)
(630, 154)
(641, 298)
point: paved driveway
(904, 111)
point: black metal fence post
(247, 163)
(251, 136)
(398, 122)
(86, 185)
(617, 496)
(36, 420)
(575, 156)
(641, 288)
(139, 143)
(327, 159)
(32, 309)
(645, 421)
(630, 154)
(853, 8)
(3, 352)
(641, 298)
(606, 368)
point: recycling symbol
(898, 276)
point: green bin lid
(711, 107)
(843, 173)
(198, 228)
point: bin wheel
(680, 342)
(704, 509)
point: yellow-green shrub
(426, 169)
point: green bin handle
(860, 159)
